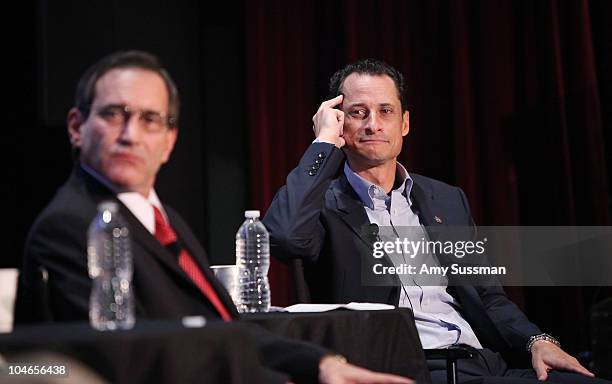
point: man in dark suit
(123, 128)
(349, 183)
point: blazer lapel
(350, 209)
(423, 201)
(433, 222)
(191, 244)
(145, 239)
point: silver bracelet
(542, 336)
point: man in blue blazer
(348, 184)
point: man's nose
(372, 122)
(130, 130)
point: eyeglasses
(118, 115)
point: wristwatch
(541, 336)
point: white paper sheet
(301, 308)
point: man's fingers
(332, 102)
(541, 370)
(339, 116)
(576, 367)
(392, 379)
(375, 377)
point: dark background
(510, 100)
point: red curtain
(505, 99)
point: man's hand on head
(335, 370)
(546, 356)
(328, 122)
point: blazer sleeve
(297, 358)
(294, 217)
(57, 244)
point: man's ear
(74, 122)
(405, 123)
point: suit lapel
(433, 221)
(145, 239)
(191, 244)
(423, 201)
(350, 209)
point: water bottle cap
(108, 206)
(251, 214)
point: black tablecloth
(152, 352)
(167, 352)
(385, 341)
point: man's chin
(370, 158)
(125, 178)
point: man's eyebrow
(362, 104)
(356, 104)
(123, 106)
(112, 105)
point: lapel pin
(438, 220)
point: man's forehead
(360, 88)
(134, 86)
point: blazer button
(315, 166)
(312, 172)
(321, 155)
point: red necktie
(166, 236)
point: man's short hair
(86, 88)
(372, 67)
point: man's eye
(358, 113)
(151, 118)
(387, 110)
(111, 113)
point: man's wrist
(541, 337)
(329, 363)
(334, 357)
(326, 139)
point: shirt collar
(142, 208)
(373, 196)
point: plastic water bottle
(253, 259)
(109, 260)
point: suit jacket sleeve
(299, 359)
(293, 218)
(57, 244)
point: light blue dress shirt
(436, 314)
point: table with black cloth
(385, 340)
(154, 351)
